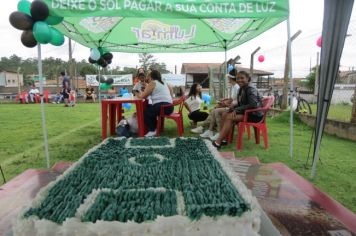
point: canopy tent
(336, 21)
(166, 26)
(161, 26)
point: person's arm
(187, 107)
(170, 90)
(148, 90)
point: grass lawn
(72, 131)
(337, 112)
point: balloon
(102, 62)
(230, 68)
(101, 80)
(21, 21)
(108, 56)
(261, 58)
(101, 50)
(95, 54)
(39, 10)
(54, 20)
(42, 32)
(27, 39)
(126, 95)
(319, 42)
(24, 6)
(57, 38)
(91, 61)
(206, 98)
(104, 86)
(109, 62)
(110, 81)
(127, 106)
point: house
(10, 79)
(347, 77)
(199, 73)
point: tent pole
(225, 70)
(291, 87)
(42, 104)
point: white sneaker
(215, 137)
(150, 134)
(207, 134)
(197, 130)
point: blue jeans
(151, 113)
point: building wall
(11, 79)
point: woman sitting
(222, 106)
(248, 98)
(161, 94)
(193, 103)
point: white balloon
(95, 54)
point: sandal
(224, 143)
(216, 145)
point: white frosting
(247, 224)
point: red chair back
(267, 102)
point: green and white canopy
(167, 25)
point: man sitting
(89, 94)
(33, 93)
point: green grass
(72, 131)
(337, 112)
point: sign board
(119, 80)
(36, 78)
(175, 80)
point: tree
(87, 70)
(310, 84)
(146, 60)
(149, 62)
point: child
(72, 98)
(193, 103)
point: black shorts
(197, 116)
(254, 119)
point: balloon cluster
(230, 68)
(34, 19)
(105, 83)
(206, 98)
(100, 57)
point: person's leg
(218, 116)
(228, 121)
(212, 120)
(150, 116)
(93, 96)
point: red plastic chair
(45, 96)
(259, 127)
(177, 116)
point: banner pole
(43, 116)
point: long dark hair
(156, 75)
(193, 91)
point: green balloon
(42, 32)
(57, 38)
(104, 86)
(54, 20)
(24, 6)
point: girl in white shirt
(193, 104)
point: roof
(9, 71)
(203, 68)
(347, 73)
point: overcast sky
(306, 15)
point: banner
(170, 8)
(175, 80)
(119, 80)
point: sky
(305, 15)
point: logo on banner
(99, 24)
(153, 31)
